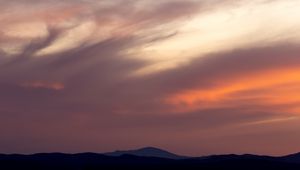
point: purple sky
(196, 77)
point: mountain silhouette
(293, 158)
(147, 152)
(146, 158)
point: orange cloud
(267, 88)
(45, 85)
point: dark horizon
(145, 147)
(147, 158)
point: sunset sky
(195, 77)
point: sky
(195, 77)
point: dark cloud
(205, 71)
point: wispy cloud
(46, 85)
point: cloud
(226, 27)
(39, 84)
(253, 73)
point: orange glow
(45, 85)
(273, 87)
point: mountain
(147, 152)
(146, 158)
(90, 161)
(294, 158)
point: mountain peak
(147, 152)
(149, 148)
